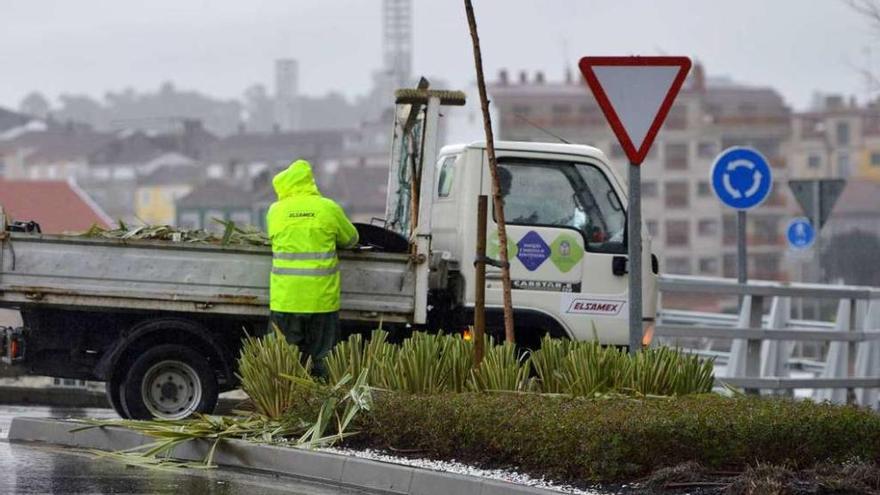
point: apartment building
(836, 139)
(691, 232)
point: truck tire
(169, 382)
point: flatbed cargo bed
(124, 275)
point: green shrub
(437, 363)
(570, 438)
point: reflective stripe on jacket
(306, 229)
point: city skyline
(165, 41)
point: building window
(843, 164)
(678, 233)
(652, 227)
(766, 230)
(677, 118)
(708, 266)
(777, 196)
(649, 189)
(814, 161)
(707, 149)
(703, 189)
(842, 131)
(707, 227)
(676, 194)
(728, 229)
(875, 161)
(676, 156)
(729, 266)
(767, 265)
(678, 266)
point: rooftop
(57, 206)
(58, 144)
(282, 147)
(216, 194)
(10, 119)
(167, 175)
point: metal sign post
(635, 95)
(634, 255)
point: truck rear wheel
(169, 382)
(113, 390)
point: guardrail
(761, 352)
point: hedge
(578, 439)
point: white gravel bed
(464, 469)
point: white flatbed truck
(161, 322)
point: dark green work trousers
(314, 333)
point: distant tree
(853, 258)
(35, 104)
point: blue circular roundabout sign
(741, 178)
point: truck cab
(565, 208)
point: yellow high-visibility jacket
(305, 229)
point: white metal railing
(760, 356)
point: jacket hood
(296, 180)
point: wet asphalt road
(39, 469)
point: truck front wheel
(169, 382)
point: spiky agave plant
(591, 369)
(376, 356)
(261, 368)
(547, 363)
(503, 369)
(420, 367)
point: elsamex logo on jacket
(301, 214)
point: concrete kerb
(318, 466)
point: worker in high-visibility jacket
(306, 229)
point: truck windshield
(564, 194)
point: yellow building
(837, 139)
(157, 193)
(869, 160)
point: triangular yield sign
(635, 94)
(804, 191)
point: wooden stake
(480, 280)
(497, 201)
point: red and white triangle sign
(635, 94)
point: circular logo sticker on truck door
(565, 252)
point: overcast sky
(221, 46)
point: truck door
(566, 224)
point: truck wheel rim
(171, 390)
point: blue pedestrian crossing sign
(800, 233)
(741, 178)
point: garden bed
(583, 441)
